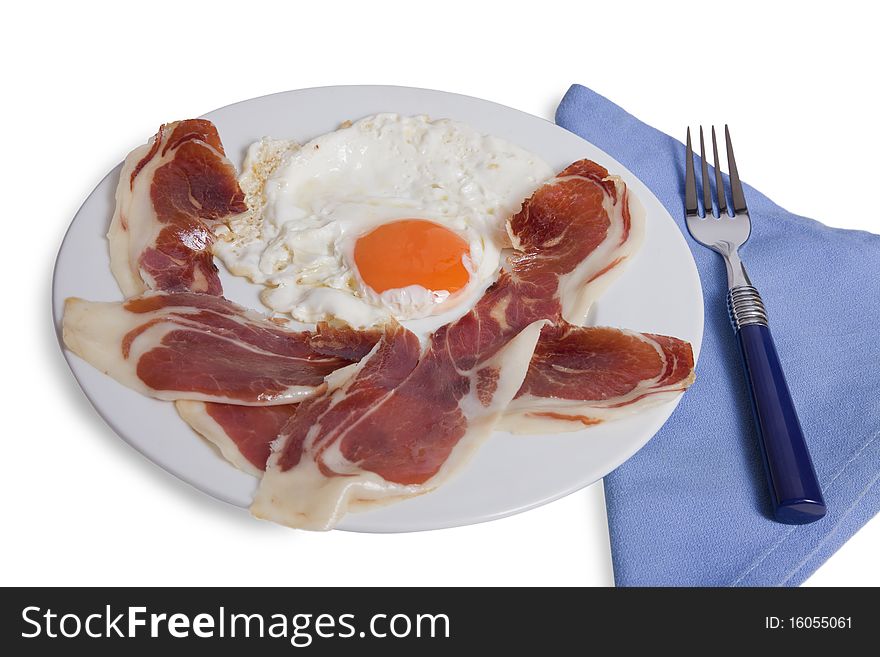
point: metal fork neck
(744, 303)
(736, 270)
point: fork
(794, 489)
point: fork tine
(719, 183)
(707, 190)
(736, 189)
(690, 182)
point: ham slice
(171, 193)
(581, 376)
(206, 348)
(623, 237)
(243, 434)
(398, 424)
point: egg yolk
(412, 252)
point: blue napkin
(691, 508)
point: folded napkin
(692, 508)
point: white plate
(659, 292)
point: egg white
(309, 204)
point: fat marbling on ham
(584, 375)
(201, 347)
(243, 434)
(172, 191)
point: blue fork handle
(794, 488)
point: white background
(85, 82)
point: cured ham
(205, 348)
(396, 424)
(623, 237)
(582, 376)
(171, 193)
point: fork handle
(794, 489)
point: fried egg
(390, 216)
